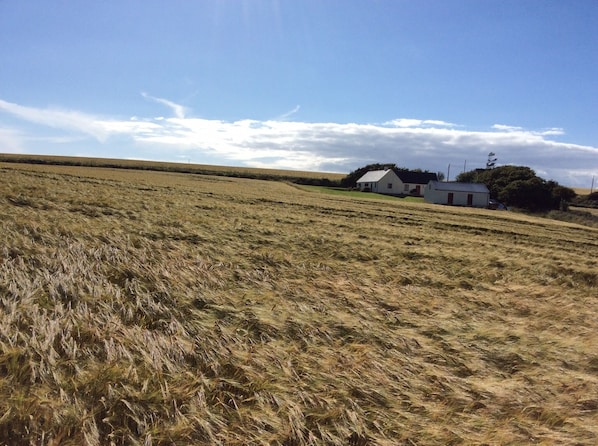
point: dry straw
(159, 308)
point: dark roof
(411, 177)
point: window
(406, 188)
(390, 185)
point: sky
(317, 85)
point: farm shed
(458, 194)
(397, 182)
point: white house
(380, 181)
(394, 182)
(458, 194)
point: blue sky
(326, 85)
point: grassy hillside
(161, 308)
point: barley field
(157, 166)
(157, 308)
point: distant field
(582, 190)
(164, 166)
(160, 308)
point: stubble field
(161, 308)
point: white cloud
(507, 128)
(437, 123)
(403, 122)
(413, 143)
(132, 127)
(406, 122)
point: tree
(519, 186)
(562, 196)
(469, 177)
(532, 194)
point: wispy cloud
(68, 120)
(178, 110)
(288, 114)
(95, 126)
(341, 147)
(554, 131)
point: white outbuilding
(457, 194)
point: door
(469, 199)
(450, 198)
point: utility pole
(448, 173)
(592, 186)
